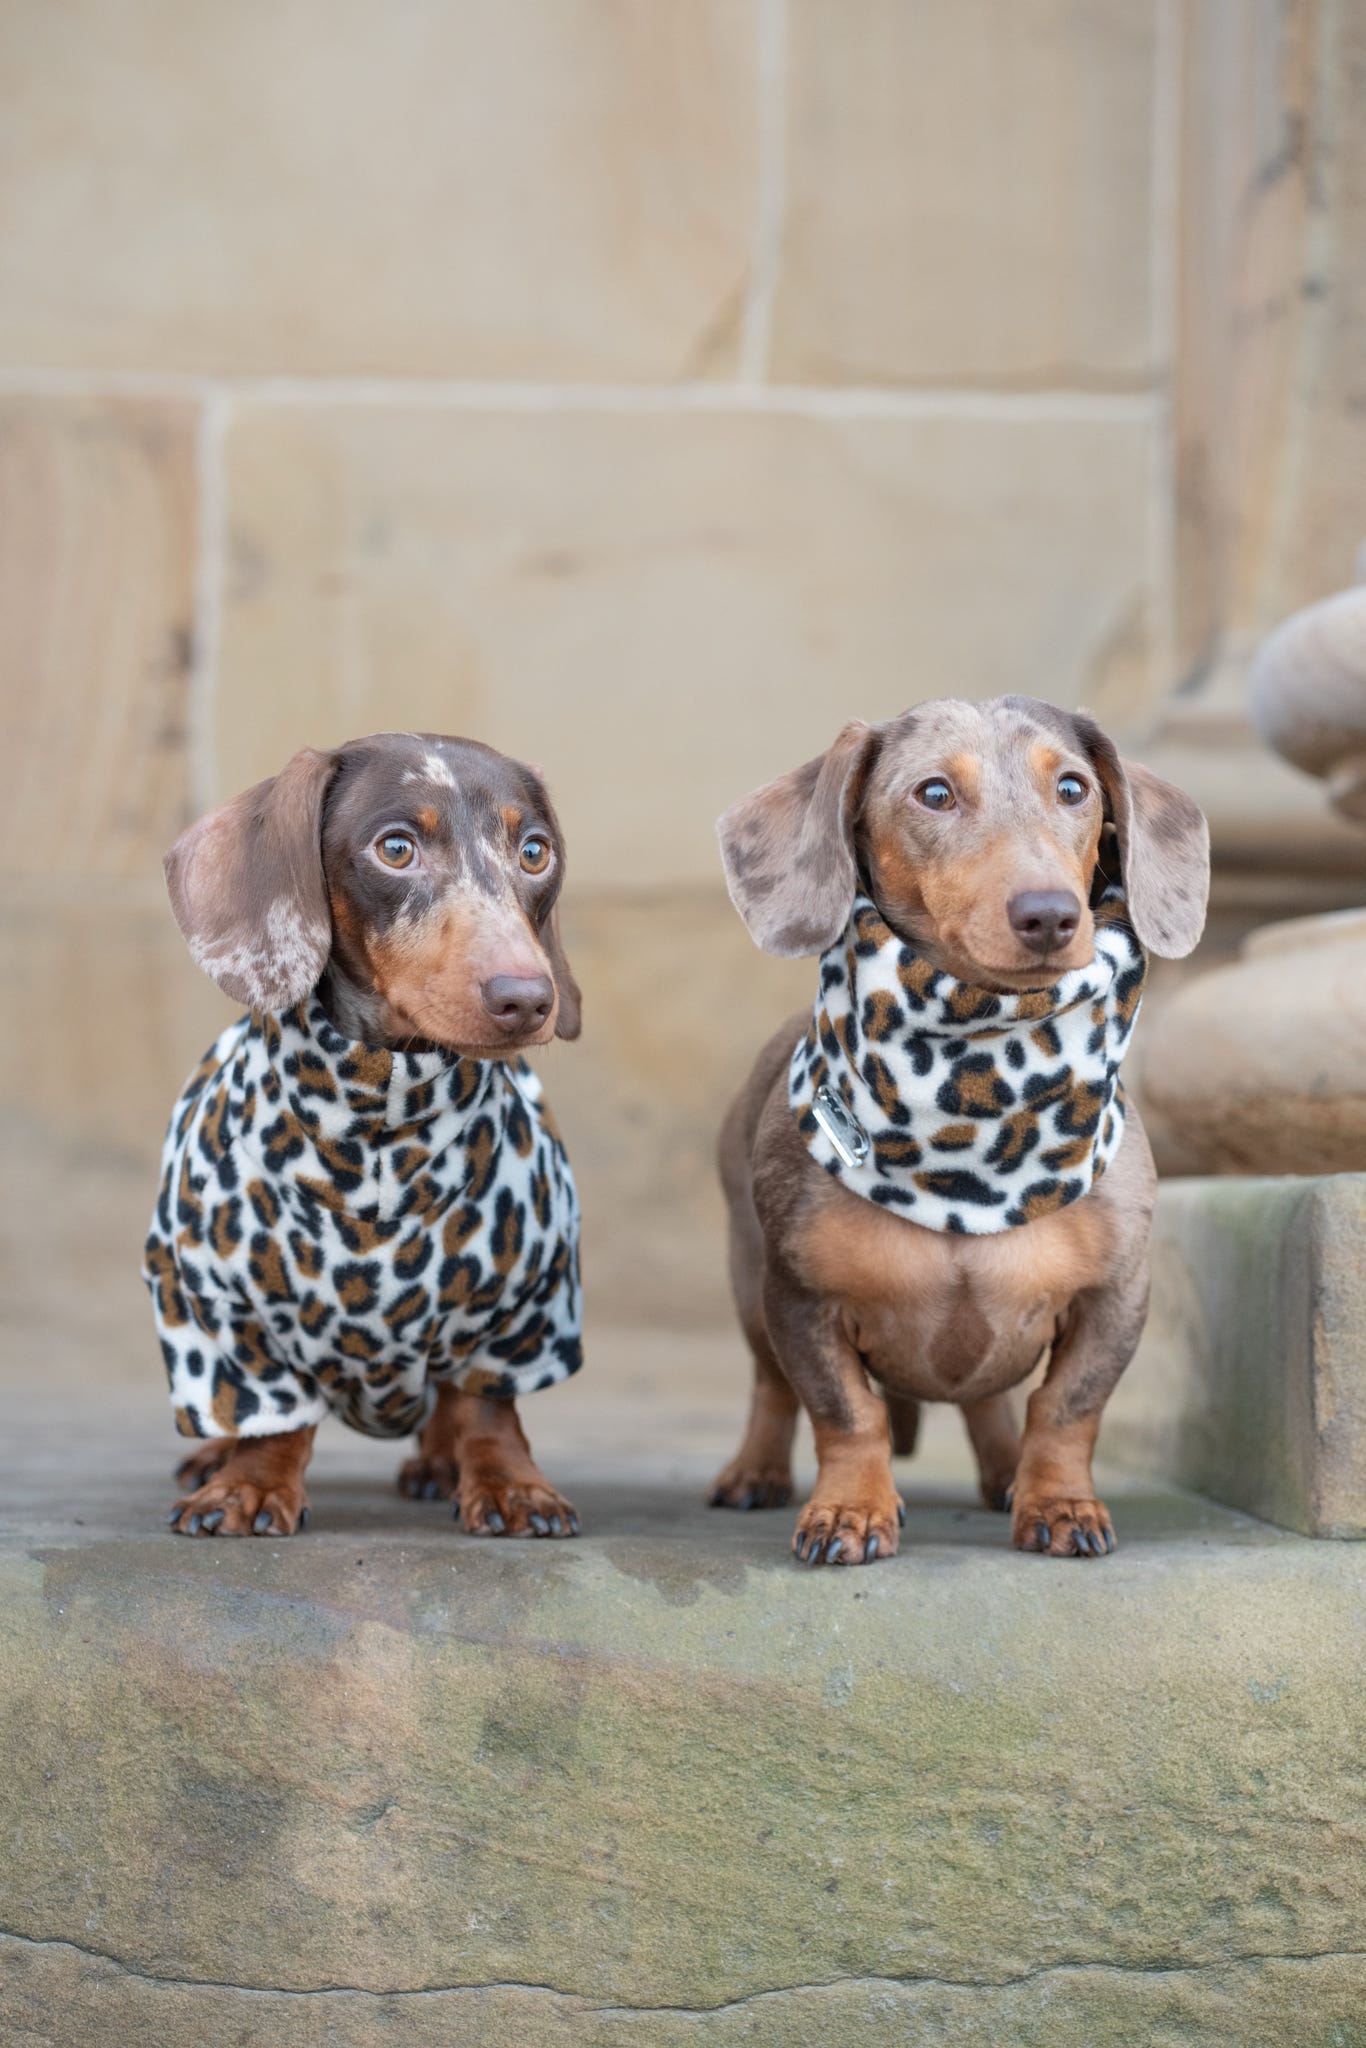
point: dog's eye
(535, 855)
(396, 850)
(1071, 789)
(936, 794)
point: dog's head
(980, 831)
(419, 874)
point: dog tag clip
(848, 1137)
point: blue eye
(936, 794)
(1071, 789)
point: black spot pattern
(983, 1111)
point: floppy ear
(248, 892)
(1163, 843)
(789, 848)
(569, 1016)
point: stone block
(664, 608)
(968, 194)
(507, 188)
(97, 502)
(385, 1782)
(1250, 1383)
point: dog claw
(814, 1554)
(211, 1523)
(303, 1520)
(833, 1549)
(1041, 1530)
(574, 1523)
(194, 1524)
(539, 1524)
(870, 1550)
(262, 1523)
(900, 1516)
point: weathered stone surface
(97, 505)
(514, 188)
(664, 608)
(968, 193)
(1260, 1063)
(1270, 426)
(387, 1774)
(1250, 1385)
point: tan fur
(851, 1303)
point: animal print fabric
(957, 1107)
(339, 1226)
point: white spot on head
(435, 770)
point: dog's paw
(491, 1503)
(423, 1478)
(1062, 1528)
(835, 1533)
(235, 1506)
(743, 1487)
(204, 1460)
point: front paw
(423, 1478)
(225, 1506)
(1063, 1528)
(745, 1486)
(494, 1503)
(843, 1533)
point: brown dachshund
(364, 1208)
(981, 881)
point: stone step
(662, 1787)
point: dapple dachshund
(934, 1180)
(365, 1208)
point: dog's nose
(518, 1002)
(1044, 919)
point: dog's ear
(569, 1010)
(1163, 845)
(247, 887)
(789, 848)
(569, 1015)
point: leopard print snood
(339, 1226)
(957, 1107)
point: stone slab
(968, 193)
(662, 1786)
(668, 607)
(1250, 1384)
(508, 188)
(99, 512)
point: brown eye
(535, 855)
(396, 850)
(1071, 789)
(936, 794)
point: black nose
(1044, 919)
(516, 1002)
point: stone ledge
(1250, 1385)
(662, 1786)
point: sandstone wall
(645, 386)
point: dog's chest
(947, 1317)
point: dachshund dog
(935, 1185)
(365, 1208)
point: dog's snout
(518, 1002)
(1044, 919)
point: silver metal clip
(845, 1133)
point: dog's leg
(1055, 1506)
(996, 1441)
(760, 1473)
(433, 1474)
(501, 1490)
(854, 1512)
(903, 1414)
(256, 1489)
